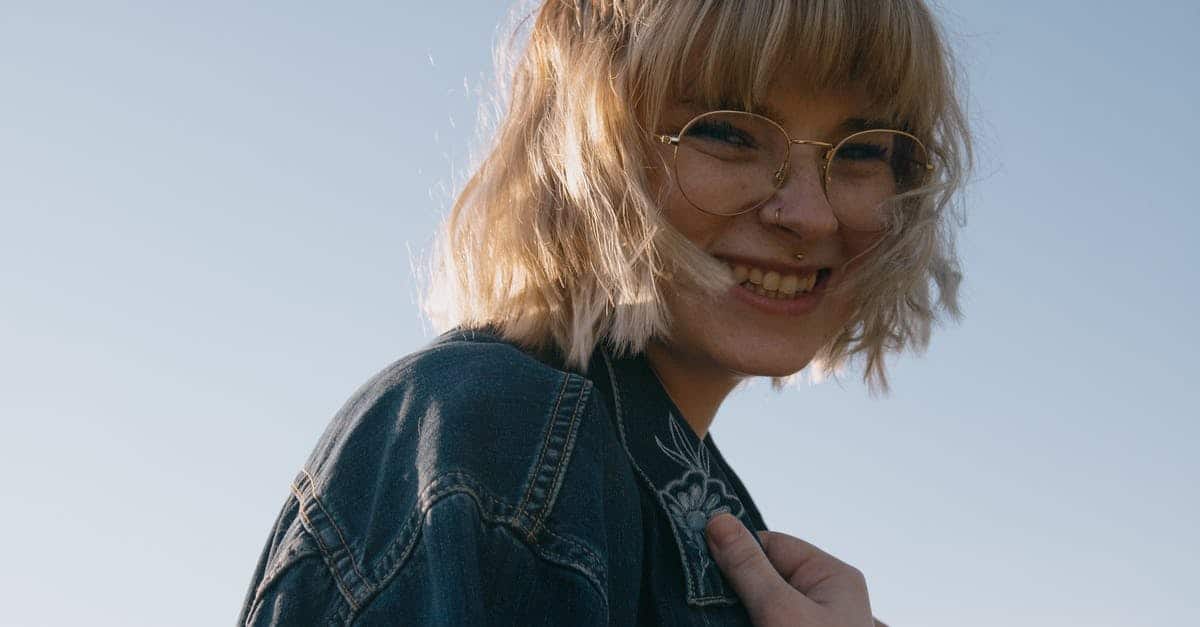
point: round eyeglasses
(731, 162)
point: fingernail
(723, 529)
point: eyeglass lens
(732, 162)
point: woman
(681, 195)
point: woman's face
(743, 332)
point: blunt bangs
(730, 53)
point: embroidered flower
(696, 496)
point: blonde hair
(557, 240)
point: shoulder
(470, 450)
(469, 416)
(468, 403)
(460, 367)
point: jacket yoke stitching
(562, 390)
(332, 523)
(568, 448)
(292, 552)
(495, 512)
(557, 447)
(327, 554)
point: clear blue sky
(208, 213)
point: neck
(697, 388)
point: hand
(794, 584)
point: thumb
(744, 564)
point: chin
(778, 361)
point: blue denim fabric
(474, 483)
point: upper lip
(781, 267)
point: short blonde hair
(558, 240)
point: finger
(823, 578)
(746, 567)
(791, 555)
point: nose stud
(799, 256)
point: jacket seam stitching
(564, 461)
(435, 491)
(537, 467)
(325, 553)
(289, 553)
(452, 483)
(333, 523)
(256, 604)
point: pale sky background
(207, 216)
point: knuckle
(856, 576)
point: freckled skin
(716, 344)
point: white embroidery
(696, 496)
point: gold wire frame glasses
(730, 162)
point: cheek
(858, 244)
(699, 227)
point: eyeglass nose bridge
(786, 166)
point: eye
(722, 131)
(863, 151)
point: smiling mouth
(772, 284)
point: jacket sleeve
(441, 495)
(465, 566)
(292, 584)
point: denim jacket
(475, 483)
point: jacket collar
(689, 479)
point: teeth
(787, 286)
(771, 283)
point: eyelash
(722, 132)
(874, 152)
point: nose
(800, 204)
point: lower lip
(796, 306)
